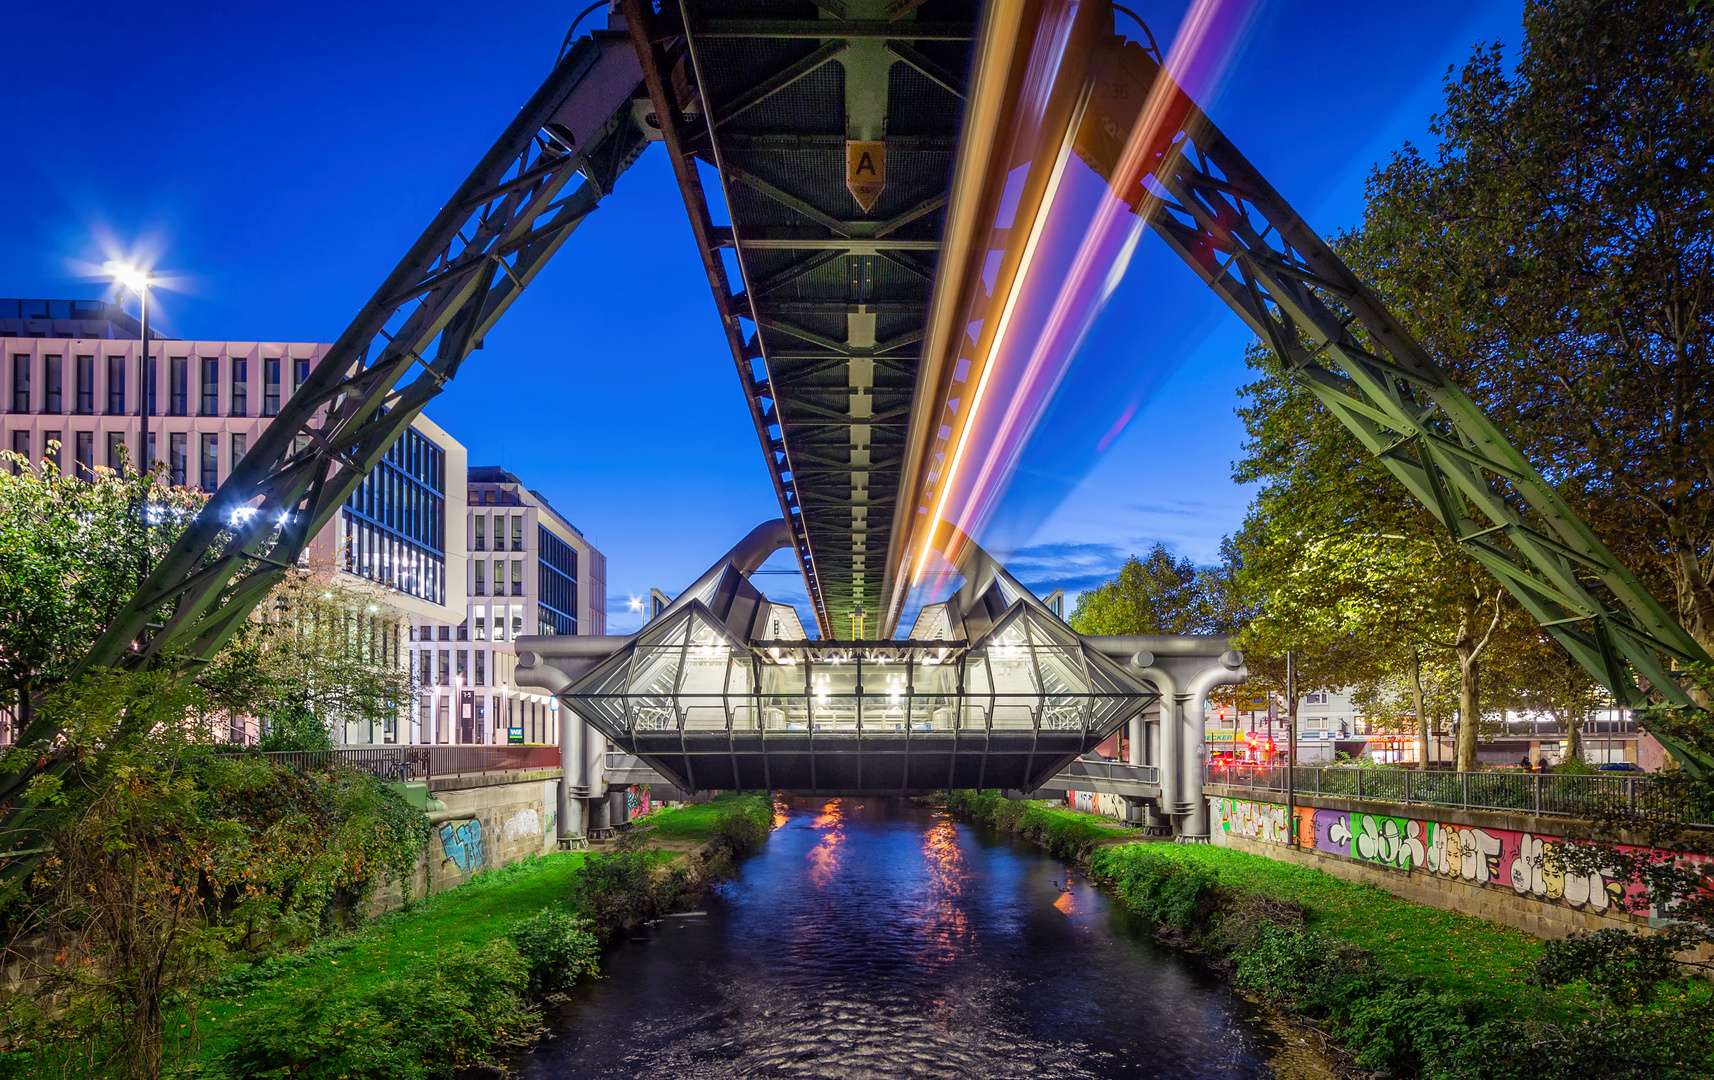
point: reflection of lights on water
(1065, 903)
(946, 925)
(824, 858)
(780, 813)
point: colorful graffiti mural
(1095, 802)
(1525, 863)
(638, 801)
(461, 844)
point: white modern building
(529, 571)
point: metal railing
(1530, 793)
(421, 762)
(1101, 769)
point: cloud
(1066, 565)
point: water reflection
(876, 939)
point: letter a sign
(865, 171)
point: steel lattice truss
(823, 303)
(542, 177)
(1339, 340)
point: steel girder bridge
(862, 148)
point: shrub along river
(881, 939)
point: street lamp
(138, 281)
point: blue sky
(277, 159)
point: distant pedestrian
(1524, 763)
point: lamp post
(138, 281)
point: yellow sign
(865, 170)
(1252, 702)
(1219, 735)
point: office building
(530, 571)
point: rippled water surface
(879, 939)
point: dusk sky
(276, 160)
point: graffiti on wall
(1525, 863)
(638, 801)
(1095, 802)
(461, 844)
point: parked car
(1619, 766)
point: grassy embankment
(1402, 987)
(472, 954)
(1069, 834)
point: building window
(151, 386)
(240, 386)
(21, 383)
(270, 388)
(556, 584)
(481, 576)
(210, 386)
(425, 663)
(461, 673)
(463, 631)
(445, 666)
(86, 386)
(399, 511)
(240, 443)
(85, 454)
(178, 386)
(479, 624)
(116, 450)
(151, 455)
(425, 722)
(178, 450)
(53, 400)
(481, 669)
(21, 447)
(51, 449)
(481, 521)
(517, 577)
(446, 633)
(517, 620)
(440, 728)
(517, 532)
(210, 461)
(300, 374)
(116, 366)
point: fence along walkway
(1531, 793)
(421, 762)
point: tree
(1556, 252)
(167, 857)
(318, 652)
(1344, 569)
(1157, 594)
(71, 552)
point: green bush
(746, 822)
(441, 1015)
(1069, 834)
(1622, 965)
(1172, 893)
(557, 948)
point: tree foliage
(1156, 594)
(1555, 255)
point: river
(881, 939)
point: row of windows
(382, 557)
(479, 532)
(116, 455)
(454, 667)
(480, 584)
(402, 494)
(55, 394)
(557, 595)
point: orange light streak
(1047, 364)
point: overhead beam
(831, 28)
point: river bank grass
(447, 980)
(1067, 833)
(1402, 988)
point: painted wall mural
(461, 844)
(1095, 802)
(1525, 863)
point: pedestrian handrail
(1101, 769)
(417, 762)
(1564, 795)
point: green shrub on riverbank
(1407, 989)
(742, 817)
(1067, 833)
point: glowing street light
(138, 280)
